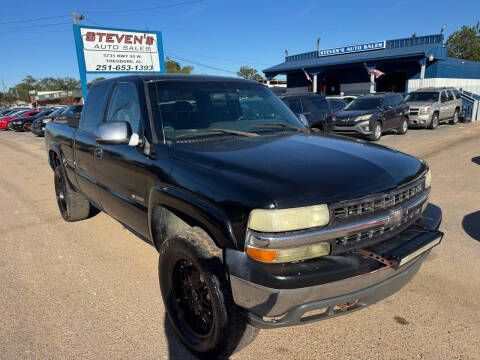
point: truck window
(295, 105)
(124, 106)
(457, 94)
(319, 102)
(450, 95)
(93, 111)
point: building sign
(353, 48)
(108, 50)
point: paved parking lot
(90, 290)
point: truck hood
(417, 104)
(302, 169)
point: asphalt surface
(90, 289)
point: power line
(36, 26)
(144, 9)
(33, 20)
(200, 64)
(102, 12)
(219, 58)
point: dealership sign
(108, 50)
(377, 45)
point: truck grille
(378, 231)
(374, 203)
(413, 111)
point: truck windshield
(188, 109)
(422, 96)
(364, 103)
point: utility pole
(74, 17)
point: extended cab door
(121, 169)
(84, 143)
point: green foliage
(173, 67)
(20, 91)
(414, 35)
(465, 43)
(90, 83)
(6, 99)
(249, 73)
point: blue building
(407, 64)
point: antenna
(443, 28)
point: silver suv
(431, 106)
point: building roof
(420, 47)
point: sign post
(103, 50)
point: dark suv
(314, 107)
(371, 115)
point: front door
(444, 106)
(389, 115)
(121, 169)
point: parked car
(336, 104)
(371, 115)
(70, 116)
(24, 123)
(255, 217)
(314, 107)
(5, 122)
(432, 106)
(38, 125)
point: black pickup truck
(259, 222)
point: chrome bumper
(419, 120)
(269, 308)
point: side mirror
(115, 133)
(303, 120)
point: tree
(89, 84)
(6, 99)
(173, 67)
(414, 35)
(249, 73)
(465, 43)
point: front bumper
(359, 128)
(419, 120)
(326, 283)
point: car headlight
(363, 117)
(289, 254)
(263, 220)
(425, 110)
(428, 179)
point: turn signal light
(261, 254)
(289, 254)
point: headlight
(363, 117)
(289, 219)
(425, 110)
(428, 179)
(289, 254)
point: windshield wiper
(196, 133)
(280, 125)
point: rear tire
(402, 130)
(73, 206)
(455, 118)
(376, 132)
(434, 122)
(198, 298)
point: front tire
(434, 122)
(73, 206)
(402, 130)
(198, 298)
(376, 132)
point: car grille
(375, 203)
(362, 236)
(413, 111)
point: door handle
(98, 152)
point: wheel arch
(171, 211)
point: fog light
(289, 254)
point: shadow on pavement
(471, 225)
(176, 350)
(476, 160)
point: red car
(4, 121)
